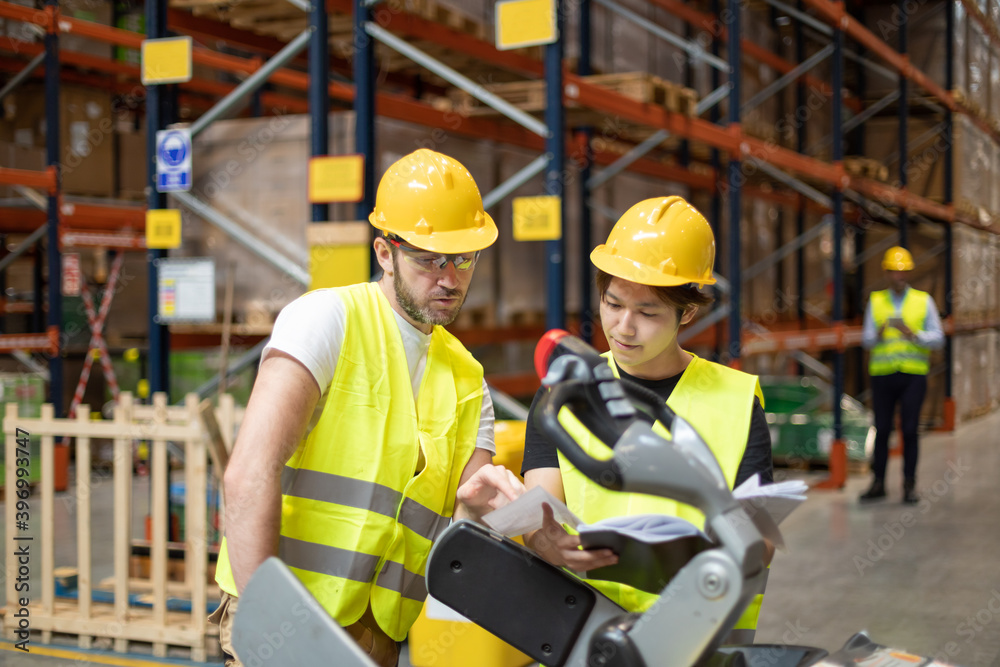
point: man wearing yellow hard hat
(369, 426)
(901, 328)
(648, 274)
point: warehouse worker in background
(648, 273)
(370, 426)
(901, 328)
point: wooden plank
(122, 518)
(48, 484)
(216, 443)
(10, 506)
(161, 521)
(195, 530)
(104, 429)
(176, 632)
(175, 589)
(83, 551)
(226, 418)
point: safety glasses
(432, 262)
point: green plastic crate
(799, 414)
(189, 369)
(28, 391)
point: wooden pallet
(530, 95)
(866, 168)
(650, 89)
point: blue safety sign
(173, 160)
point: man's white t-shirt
(311, 329)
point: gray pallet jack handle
(279, 623)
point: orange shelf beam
(710, 23)
(834, 14)
(78, 217)
(46, 342)
(104, 218)
(197, 85)
(45, 180)
(411, 25)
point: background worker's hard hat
(662, 241)
(897, 258)
(431, 201)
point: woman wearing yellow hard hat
(901, 328)
(648, 274)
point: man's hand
(490, 488)
(905, 330)
(558, 547)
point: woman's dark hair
(680, 297)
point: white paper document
(770, 504)
(525, 514)
(767, 506)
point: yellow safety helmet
(662, 241)
(431, 201)
(897, 258)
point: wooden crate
(118, 623)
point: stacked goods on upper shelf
(976, 369)
(976, 168)
(976, 293)
(86, 134)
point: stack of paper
(769, 505)
(652, 548)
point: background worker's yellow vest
(893, 353)
(718, 402)
(356, 522)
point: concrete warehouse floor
(924, 578)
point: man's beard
(424, 315)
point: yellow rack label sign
(523, 23)
(163, 228)
(166, 60)
(537, 218)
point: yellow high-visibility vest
(718, 402)
(356, 522)
(893, 353)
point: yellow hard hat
(431, 201)
(897, 258)
(662, 241)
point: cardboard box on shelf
(14, 156)
(973, 161)
(85, 135)
(95, 11)
(132, 163)
(926, 42)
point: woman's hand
(558, 547)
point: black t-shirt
(540, 453)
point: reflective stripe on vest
(893, 353)
(356, 523)
(350, 492)
(705, 391)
